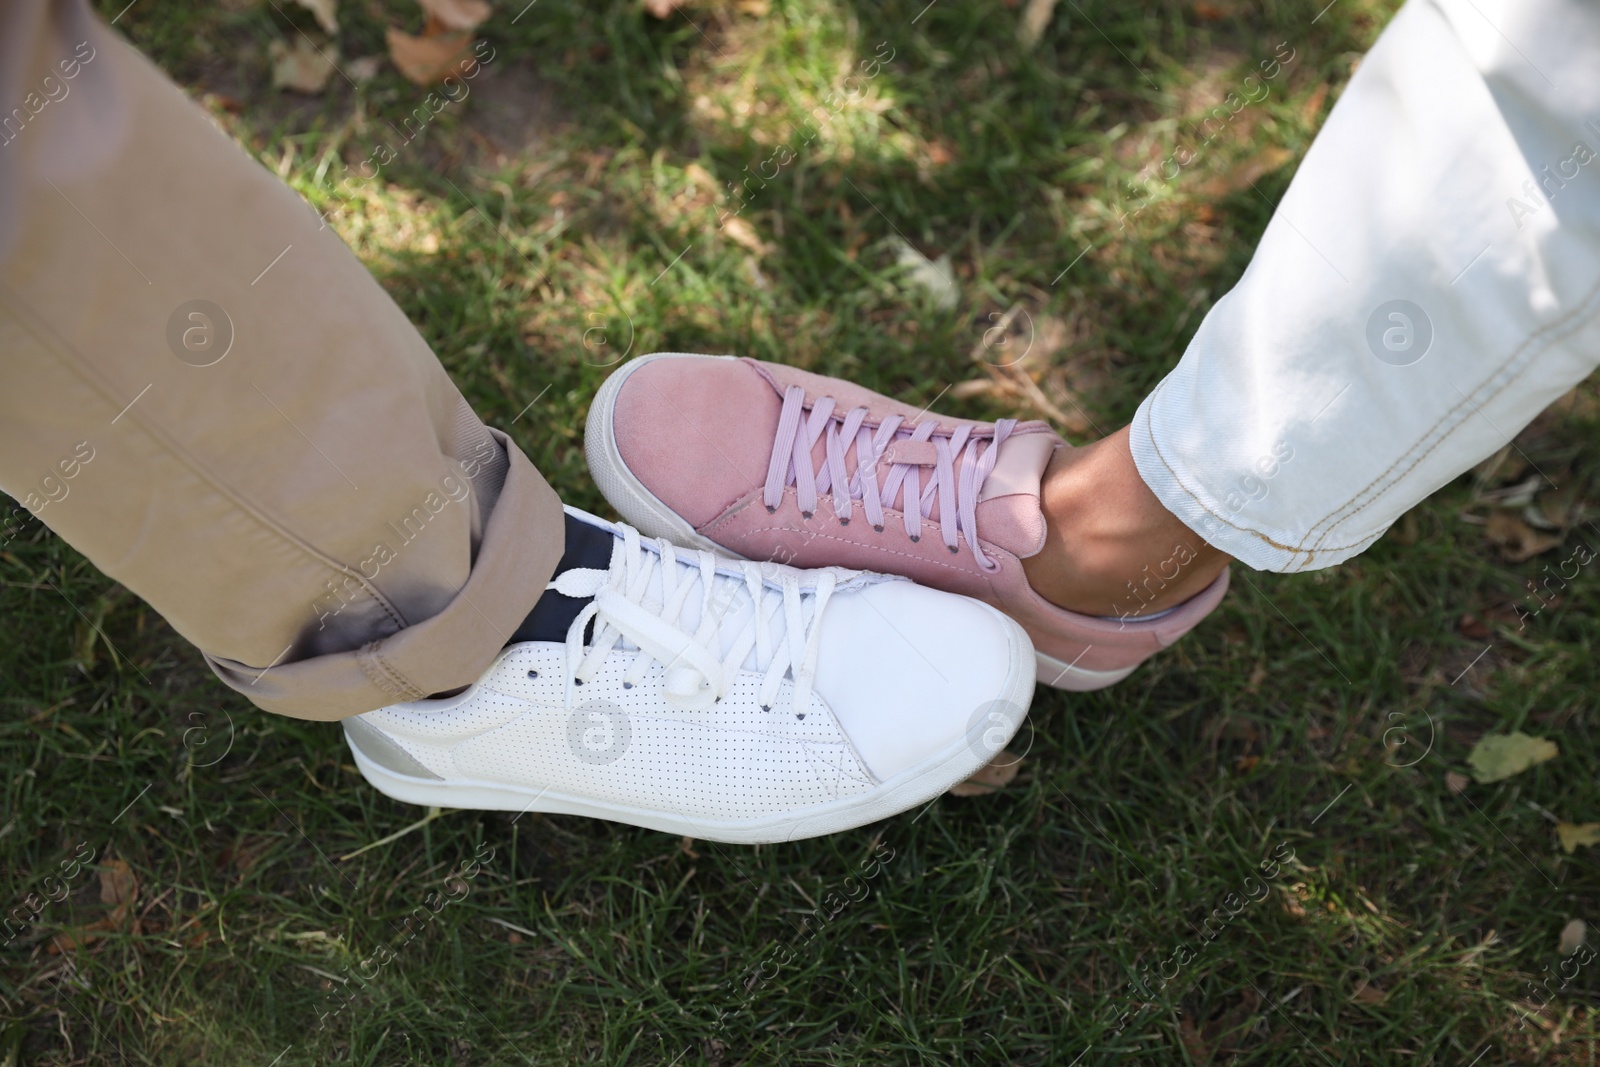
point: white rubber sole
(638, 506)
(955, 763)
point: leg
(1107, 530)
(285, 472)
(1430, 282)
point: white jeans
(1428, 284)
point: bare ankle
(1112, 549)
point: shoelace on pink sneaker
(904, 450)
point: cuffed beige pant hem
(204, 392)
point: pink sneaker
(774, 463)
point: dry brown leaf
(661, 8)
(1194, 1043)
(426, 60)
(1557, 509)
(974, 387)
(1405, 531)
(744, 234)
(1219, 1039)
(1572, 937)
(1516, 540)
(1311, 110)
(1235, 728)
(1042, 339)
(1250, 171)
(1369, 993)
(1456, 783)
(455, 14)
(1032, 394)
(119, 887)
(1035, 19)
(231, 104)
(326, 11)
(991, 777)
(1257, 676)
(67, 940)
(700, 176)
(118, 884)
(302, 67)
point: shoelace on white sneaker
(624, 611)
(905, 450)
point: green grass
(576, 191)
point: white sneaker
(721, 699)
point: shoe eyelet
(577, 681)
(877, 529)
(953, 549)
(805, 514)
(991, 567)
(766, 707)
(915, 538)
(627, 685)
(799, 714)
(771, 510)
(844, 522)
(533, 674)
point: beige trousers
(204, 392)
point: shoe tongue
(1009, 514)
